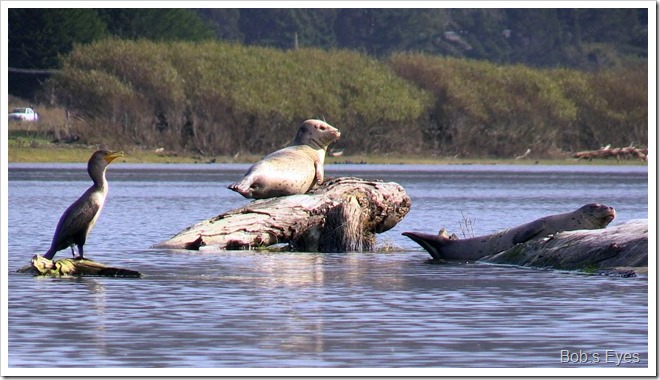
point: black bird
(79, 218)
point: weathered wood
(621, 249)
(618, 153)
(343, 214)
(41, 266)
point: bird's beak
(112, 155)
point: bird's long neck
(97, 173)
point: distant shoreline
(73, 154)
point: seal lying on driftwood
(292, 170)
(588, 217)
(622, 250)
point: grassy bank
(42, 152)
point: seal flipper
(242, 188)
(431, 243)
(318, 168)
(529, 233)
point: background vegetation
(448, 82)
(584, 38)
(482, 109)
(231, 98)
(234, 99)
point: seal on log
(292, 170)
(588, 217)
(622, 250)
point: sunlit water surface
(257, 309)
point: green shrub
(484, 109)
(612, 107)
(222, 98)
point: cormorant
(79, 218)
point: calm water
(253, 309)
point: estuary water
(249, 309)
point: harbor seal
(588, 217)
(292, 170)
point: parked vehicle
(24, 114)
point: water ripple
(252, 309)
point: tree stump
(41, 266)
(619, 250)
(342, 214)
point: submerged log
(343, 214)
(41, 266)
(619, 250)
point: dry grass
(467, 226)
(44, 151)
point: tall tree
(538, 36)
(38, 36)
(156, 24)
(479, 34)
(279, 27)
(224, 22)
(383, 31)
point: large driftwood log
(621, 249)
(618, 153)
(41, 266)
(343, 214)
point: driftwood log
(342, 214)
(618, 250)
(618, 153)
(41, 266)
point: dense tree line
(234, 99)
(578, 38)
(38, 38)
